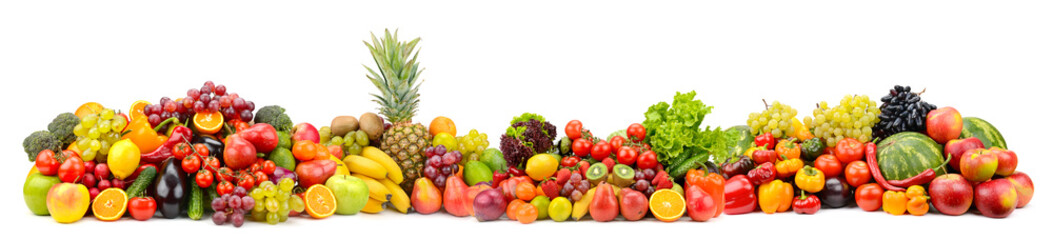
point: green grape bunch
(854, 117)
(777, 119)
(472, 145)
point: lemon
(541, 166)
(444, 139)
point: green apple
(351, 193)
(35, 192)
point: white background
(601, 62)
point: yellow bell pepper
(810, 179)
(775, 196)
(144, 136)
(894, 202)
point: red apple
(305, 131)
(944, 124)
(1006, 161)
(633, 204)
(957, 147)
(1024, 188)
(996, 198)
(978, 165)
(951, 194)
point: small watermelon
(743, 141)
(906, 154)
(987, 133)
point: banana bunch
(382, 175)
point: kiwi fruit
(371, 124)
(623, 175)
(343, 124)
(596, 173)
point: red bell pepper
(763, 156)
(806, 204)
(180, 134)
(262, 136)
(762, 174)
(739, 196)
(765, 140)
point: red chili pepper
(922, 178)
(179, 134)
(871, 154)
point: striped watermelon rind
(906, 154)
(743, 142)
(987, 133)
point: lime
(444, 139)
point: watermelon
(987, 133)
(906, 154)
(743, 141)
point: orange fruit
(321, 152)
(442, 124)
(208, 122)
(667, 205)
(137, 110)
(527, 213)
(525, 191)
(110, 204)
(304, 150)
(320, 201)
(513, 208)
(88, 108)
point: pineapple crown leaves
(396, 76)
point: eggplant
(712, 167)
(171, 189)
(215, 147)
(836, 193)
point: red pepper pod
(179, 134)
(806, 204)
(762, 174)
(870, 151)
(739, 196)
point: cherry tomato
(573, 129)
(601, 150)
(636, 132)
(225, 174)
(71, 170)
(201, 149)
(224, 187)
(617, 141)
(203, 178)
(569, 161)
(255, 166)
(648, 159)
(829, 165)
(582, 147)
(181, 150)
(46, 163)
(868, 197)
(246, 181)
(848, 150)
(626, 155)
(142, 208)
(211, 163)
(857, 173)
(268, 167)
(191, 164)
(260, 176)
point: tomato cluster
(629, 149)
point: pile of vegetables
(675, 134)
(528, 134)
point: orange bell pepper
(787, 149)
(713, 184)
(144, 136)
(918, 206)
(894, 202)
(787, 168)
(775, 196)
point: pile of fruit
(210, 148)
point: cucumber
(678, 171)
(196, 207)
(138, 188)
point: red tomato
(191, 164)
(868, 197)
(246, 181)
(181, 150)
(636, 132)
(626, 155)
(142, 208)
(203, 178)
(268, 167)
(848, 150)
(569, 161)
(648, 159)
(225, 174)
(211, 163)
(224, 187)
(617, 142)
(573, 129)
(71, 170)
(46, 163)
(582, 147)
(829, 165)
(601, 150)
(201, 149)
(857, 173)
(260, 176)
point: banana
(399, 199)
(394, 172)
(581, 208)
(373, 206)
(365, 166)
(376, 190)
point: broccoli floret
(38, 141)
(62, 127)
(275, 116)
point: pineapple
(397, 77)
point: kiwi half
(597, 173)
(623, 175)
